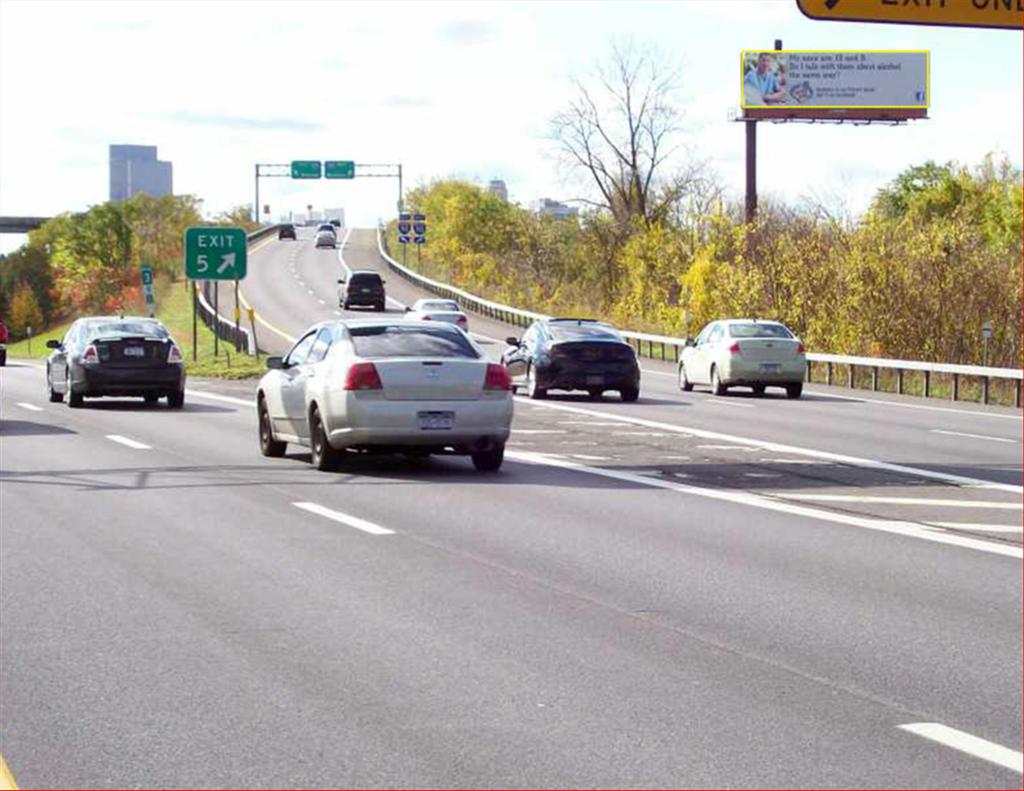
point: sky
(462, 89)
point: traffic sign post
(305, 168)
(1006, 14)
(986, 334)
(215, 253)
(146, 274)
(343, 169)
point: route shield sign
(957, 13)
(343, 169)
(305, 168)
(215, 253)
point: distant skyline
(447, 89)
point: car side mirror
(512, 341)
(690, 342)
(275, 363)
(53, 344)
(408, 309)
(341, 281)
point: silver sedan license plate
(436, 421)
(770, 368)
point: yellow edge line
(6, 778)
(248, 306)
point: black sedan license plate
(595, 379)
(436, 421)
(134, 351)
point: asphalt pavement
(688, 591)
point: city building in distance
(497, 186)
(135, 169)
(552, 208)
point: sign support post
(216, 317)
(238, 322)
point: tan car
(744, 353)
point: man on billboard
(762, 85)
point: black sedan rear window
(369, 279)
(398, 341)
(583, 332)
(758, 330)
(120, 329)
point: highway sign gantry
(215, 253)
(305, 168)
(1006, 14)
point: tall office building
(135, 169)
(497, 186)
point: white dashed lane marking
(128, 443)
(30, 407)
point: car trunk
(419, 379)
(591, 352)
(132, 351)
(768, 350)
(449, 317)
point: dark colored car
(116, 356)
(3, 343)
(573, 354)
(362, 288)
(286, 231)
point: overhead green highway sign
(305, 168)
(215, 253)
(343, 169)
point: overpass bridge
(20, 224)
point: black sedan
(573, 354)
(116, 356)
(286, 231)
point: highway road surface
(687, 591)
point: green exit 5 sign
(305, 168)
(215, 253)
(343, 169)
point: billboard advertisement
(890, 84)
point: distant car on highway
(326, 239)
(386, 385)
(3, 343)
(573, 354)
(446, 310)
(744, 353)
(329, 227)
(362, 288)
(286, 231)
(116, 356)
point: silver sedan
(747, 353)
(413, 387)
(446, 310)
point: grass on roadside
(174, 309)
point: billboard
(868, 84)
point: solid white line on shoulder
(30, 407)
(974, 436)
(345, 519)
(966, 743)
(128, 443)
(908, 529)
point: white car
(413, 387)
(326, 239)
(446, 310)
(744, 352)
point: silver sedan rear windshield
(440, 304)
(758, 330)
(396, 341)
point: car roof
(121, 318)
(578, 322)
(364, 272)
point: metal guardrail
(240, 337)
(661, 347)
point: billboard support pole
(750, 203)
(751, 197)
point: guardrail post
(899, 381)
(874, 378)
(956, 386)
(984, 390)
(849, 376)
(927, 384)
(828, 372)
(1016, 397)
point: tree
(25, 312)
(240, 216)
(618, 131)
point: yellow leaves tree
(25, 312)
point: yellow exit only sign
(958, 13)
